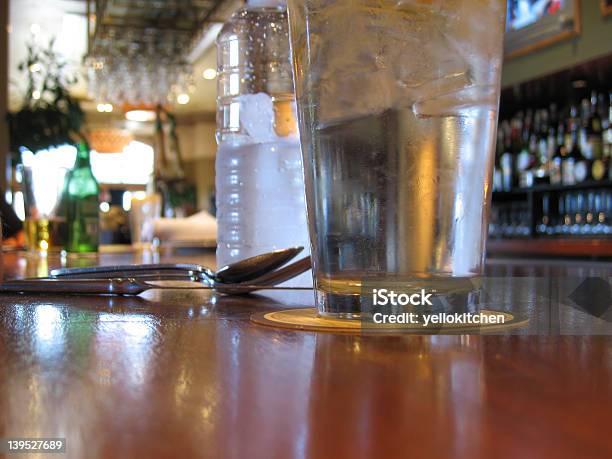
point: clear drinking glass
(398, 108)
(46, 226)
(143, 213)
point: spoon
(136, 286)
(240, 271)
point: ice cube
(356, 95)
(458, 103)
(257, 117)
(355, 76)
(431, 67)
(373, 55)
(419, 6)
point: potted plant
(49, 117)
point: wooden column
(4, 64)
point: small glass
(143, 213)
(45, 225)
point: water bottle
(259, 178)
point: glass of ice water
(398, 105)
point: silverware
(243, 270)
(136, 286)
(84, 286)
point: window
(133, 166)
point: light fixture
(139, 115)
(109, 140)
(127, 200)
(35, 67)
(104, 108)
(183, 98)
(209, 74)
(36, 94)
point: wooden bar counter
(182, 374)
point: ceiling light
(183, 98)
(140, 115)
(101, 107)
(35, 67)
(36, 94)
(108, 108)
(209, 74)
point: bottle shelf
(591, 184)
(557, 126)
(553, 212)
(551, 247)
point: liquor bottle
(544, 225)
(589, 217)
(607, 138)
(590, 129)
(543, 137)
(533, 132)
(560, 219)
(599, 122)
(606, 125)
(585, 147)
(505, 155)
(583, 154)
(599, 169)
(559, 152)
(542, 168)
(551, 142)
(497, 170)
(593, 136)
(525, 159)
(83, 204)
(571, 148)
(569, 212)
(582, 168)
(506, 160)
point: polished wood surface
(577, 247)
(182, 374)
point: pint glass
(397, 104)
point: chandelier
(138, 50)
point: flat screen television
(533, 24)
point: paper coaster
(307, 319)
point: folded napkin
(200, 227)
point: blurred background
(139, 76)
(144, 75)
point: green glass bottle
(83, 203)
